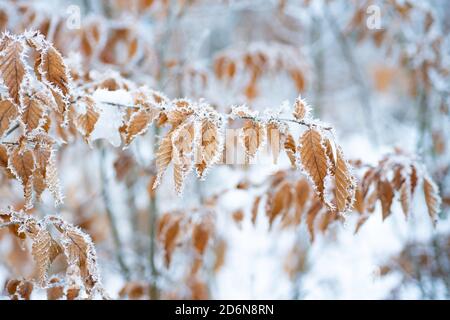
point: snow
(111, 116)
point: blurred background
(378, 71)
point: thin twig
(12, 130)
(300, 122)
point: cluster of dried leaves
(33, 98)
(50, 238)
(291, 200)
(258, 62)
(288, 198)
(423, 265)
(45, 100)
(192, 234)
(396, 176)
(423, 55)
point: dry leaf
(8, 113)
(432, 198)
(34, 107)
(86, 122)
(164, 156)
(386, 194)
(12, 68)
(314, 159)
(290, 148)
(301, 109)
(54, 70)
(22, 164)
(208, 150)
(345, 187)
(253, 138)
(41, 250)
(139, 123)
(274, 136)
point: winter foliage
(135, 148)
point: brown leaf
(54, 70)
(290, 148)
(3, 156)
(405, 197)
(345, 186)
(220, 250)
(327, 218)
(432, 198)
(23, 165)
(41, 251)
(362, 219)
(182, 142)
(253, 137)
(181, 113)
(200, 237)
(139, 123)
(414, 178)
(164, 156)
(274, 140)
(19, 289)
(359, 201)
(208, 151)
(314, 159)
(12, 68)
(8, 113)
(80, 251)
(86, 122)
(255, 209)
(301, 109)
(170, 237)
(281, 201)
(311, 217)
(330, 148)
(386, 195)
(302, 191)
(238, 217)
(34, 111)
(72, 293)
(299, 79)
(61, 105)
(56, 289)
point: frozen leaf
(54, 70)
(87, 120)
(432, 198)
(8, 113)
(345, 186)
(164, 156)
(290, 148)
(22, 165)
(301, 109)
(12, 68)
(208, 150)
(34, 110)
(314, 159)
(139, 123)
